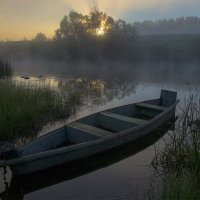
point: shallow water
(127, 178)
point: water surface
(123, 177)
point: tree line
(98, 38)
(181, 25)
(98, 24)
(93, 37)
(95, 24)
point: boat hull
(80, 151)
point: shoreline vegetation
(25, 109)
(178, 164)
(6, 69)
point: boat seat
(124, 118)
(150, 106)
(89, 129)
(116, 122)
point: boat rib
(150, 106)
(124, 118)
(90, 129)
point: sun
(100, 32)
(102, 29)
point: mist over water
(152, 72)
(168, 58)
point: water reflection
(99, 92)
(22, 185)
(119, 180)
(97, 95)
(95, 91)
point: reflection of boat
(93, 134)
(22, 185)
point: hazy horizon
(25, 18)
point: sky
(23, 19)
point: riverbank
(179, 162)
(25, 109)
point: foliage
(40, 37)
(26, 109)
(181, 25)
(179, 162)
(96, 24)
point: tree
(40, 37)
(96, 24)
(77, 25)
(71, 26)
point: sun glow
(102, 29)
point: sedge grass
(179, 162)
(25, 109)
(6, 70)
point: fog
(168, 58)
(148, 72)
(98, 46)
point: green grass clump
(185, 186)
(25, 109)
(6, 70)
(179, 162)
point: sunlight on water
(35, 81)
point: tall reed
(25, 109)
(6, 69)
(179, 162)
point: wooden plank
(150, 106)
(124, 118)
(90, 129)
(44, 143)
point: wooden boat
(93, 134)
(22, 185)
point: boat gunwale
(89, 144)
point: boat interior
(102, 124)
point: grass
(6, 70)
(185, 186)
(179, 162)
(26, 109)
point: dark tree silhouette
(95, 24)
(40, 37)
(71, 26)
(181, 25)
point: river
(121, 175)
